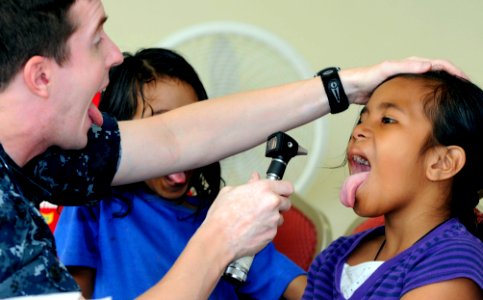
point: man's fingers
(425, 64)
(282, 187)
(285, 204)
(254, 177)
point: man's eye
(98, 41)
(99, 37)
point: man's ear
(445, 162)
(37, 75)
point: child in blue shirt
(124, 244)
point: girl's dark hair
(29, 28)
(125, 89)
(455, 107)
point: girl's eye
(362, 119)
(387, 120)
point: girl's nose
(360, 132)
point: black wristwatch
(338, 100)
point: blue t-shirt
(448, 252)
(28, 260)
(132, 253)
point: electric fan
(233, 57)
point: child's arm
(459, 288)
(295, 289)
(84, 277)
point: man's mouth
(95, 115)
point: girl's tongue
(349, 188)
(177, 178)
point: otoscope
(281, 148)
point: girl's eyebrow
(381, 106)
(386, 105)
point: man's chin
(77, 145)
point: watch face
(334, 85)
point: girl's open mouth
(359, 169)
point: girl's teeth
(360, 160)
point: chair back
(304, 233)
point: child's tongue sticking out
(177, 178)
(349, 188)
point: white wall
(326, 33)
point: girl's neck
(404, 235)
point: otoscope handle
(281, 147)
(276, 169)
(237, 271)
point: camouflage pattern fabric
(28, 258)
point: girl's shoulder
(453, 232)
(452, 252)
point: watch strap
(338, 100)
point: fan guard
(232, 57)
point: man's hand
(360, 82)
(249, 215)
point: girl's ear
(445, 162)
(36, 74)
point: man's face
(86, 72)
